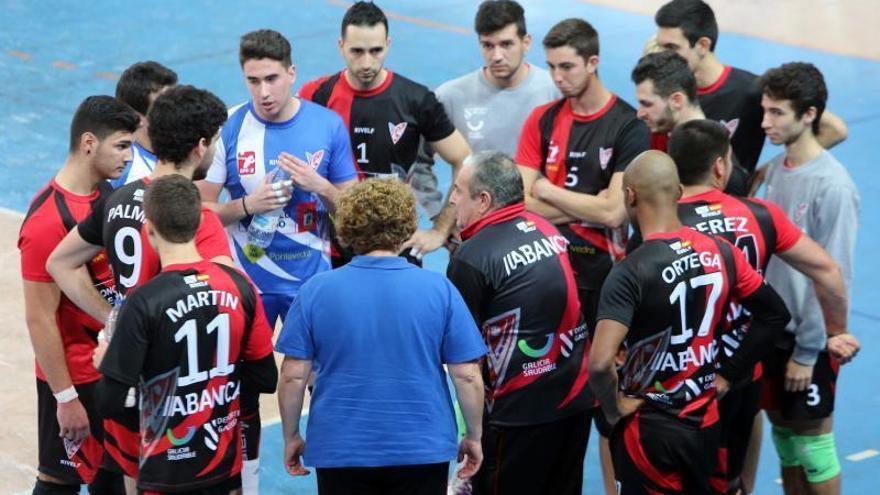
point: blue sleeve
(341, 167)
(295, 339)
(462, 341)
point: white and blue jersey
(247, 150)
(141, 165)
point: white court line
(861, 456)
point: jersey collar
(497, 216)
(715, 85)
(710, 195)
(370, 92)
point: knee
(783, 439)
(818, 456)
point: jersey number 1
(189, 331)
(715, 280)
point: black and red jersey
(758, 228)
(673, 293)
(117, 223)
(182, 338)
(385, 123)
(581, 153)
(516, 278)
(51, 215)
(734, 99)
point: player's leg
(56, 474)
(739, 419)
(567, 440)
(753, 455)
(607, 466)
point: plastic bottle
(263, 225)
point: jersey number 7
(715, 280)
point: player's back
(679, 285)
(193, 332)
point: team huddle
(609, 265)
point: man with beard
(184, 125)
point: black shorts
(417, 479)
(545, 458)
(816, 402)
(738, 409)
(655, 453)
(122, 442)
(222, 488)
(70, 464)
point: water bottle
(263, 225)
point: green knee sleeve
(818, 456)
(783, 438)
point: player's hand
(302, 173)
(424, 241)
(722, 386)
(293, 449)
(627, 405)
(541, 188)
(73, 421)
(757, 179)
(797, 376)
(267, 196)
(471, 451)
(453, 241)
(98, 355)
(843, 347)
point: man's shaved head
(651, 181)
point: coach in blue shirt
(381, 417)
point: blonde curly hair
(376, 214)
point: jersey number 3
(189, 331)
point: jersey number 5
(715, 280)
(189, 331)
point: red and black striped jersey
(734, 99)
(182, 338)
(117, 223)
(673, 293)
(51, 215)
(581, 153)
(515, 276)
(757, 227)
(386, 123)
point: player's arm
(535, 205)
(265, 197)
(620, 296)
(603, 370)
(291, 391)
(453, 149)
(122, 364)
(67, 265)
(606, 208)
(469, 389)
(808, 257)
(41, 300)
(305, 176)
(769, 317)
(832, 130)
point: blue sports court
(54, 53)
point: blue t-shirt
(247, 150)
(381, 329)
(141, 165)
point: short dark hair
(495, 15)
(695, 18)
(365, 14)
(173, 205)
(669, 72)
(576, 33)
(140, 80)
(694, 146)
(497, 174)
(799, 82)
(180, 117)
(101, 115)
(264, 43)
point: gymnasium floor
(53, 54)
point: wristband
(244, 207)
(66, 395)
